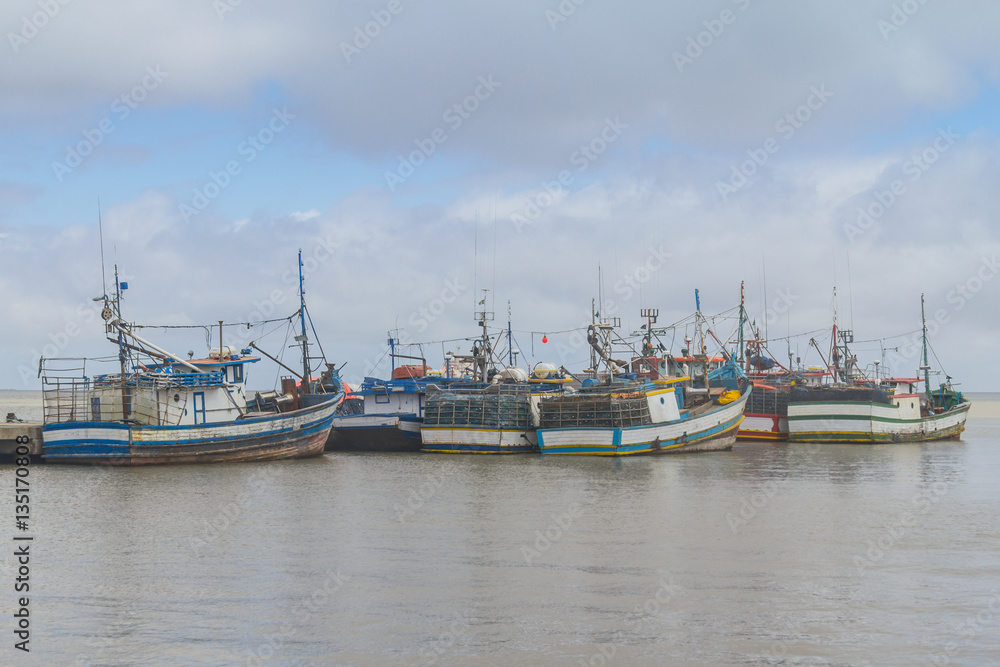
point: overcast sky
(419, 152)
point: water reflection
(527, 560)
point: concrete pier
(9, 432)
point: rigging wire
(204, 326)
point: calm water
(769, 554)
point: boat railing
(164, 380)
(157, 380)
(66, 400)
(108, 398)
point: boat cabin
(906, 395)
(174, 393)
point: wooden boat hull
(375, 433)
(477, 440)
(290, 435)
(713, 431)
(864, 422)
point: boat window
(238, 373)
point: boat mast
(834, 363)
(484, 355)
(302, 338)
(593, 323)
(743, 313)
(121, 344)
(702, 355)
(926, 367)
(510, 339)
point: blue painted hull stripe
(617, 448)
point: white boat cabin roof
(207, 365)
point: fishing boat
(301, 388)
(168, 409)
(497, 412)
(766, 413)
(380, 416)
(386, 415)
(621, 413)
(881, 410)
(765, 417)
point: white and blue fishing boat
(499, 412)
(380, 416)
(168, 409)
(619, 413)
(499, 418)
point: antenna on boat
(100, 231)
(850, 292)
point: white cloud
(389, 255)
